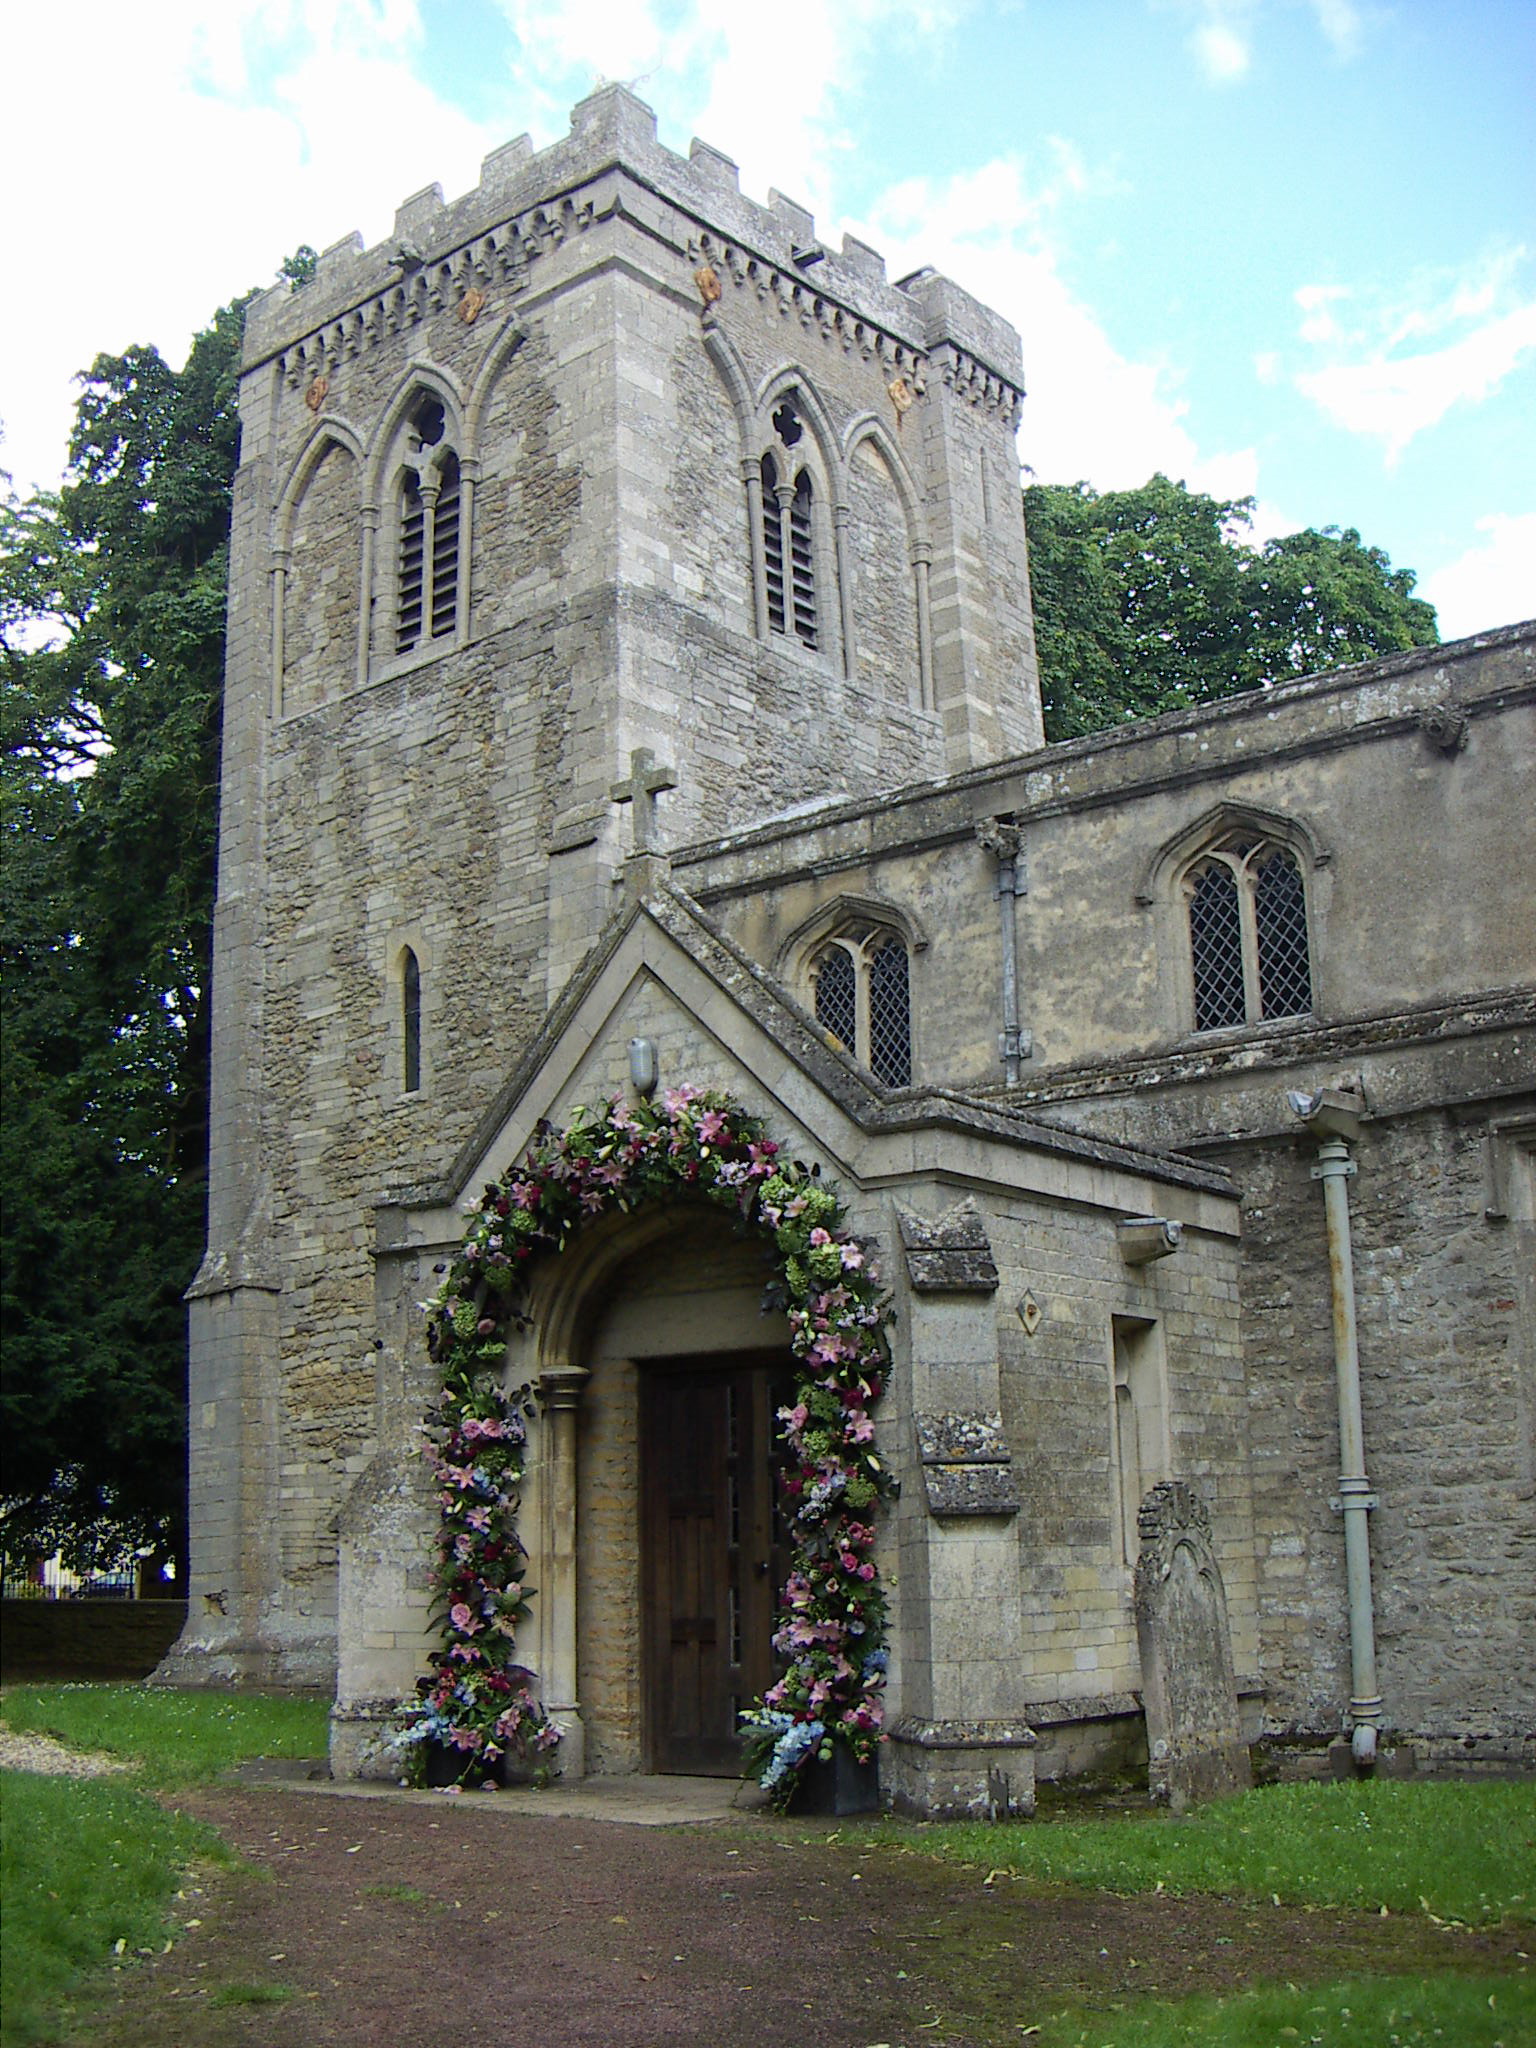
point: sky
(1283, 249)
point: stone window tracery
(1249, 944)
(861, 992)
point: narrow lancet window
(410, 1003)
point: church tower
(602, 457)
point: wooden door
(713, 1554)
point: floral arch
(831, 1631)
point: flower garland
(832, 1616)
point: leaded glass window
(1216, 947)
(890, 1015)
(1280, 915)
(837, 1006)
(862, 997)
(1249, 947)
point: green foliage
(87, 1864)
(112, 596)
(174, 1738)
(1460, 1852)
(1151, 600)
(1357, 2012)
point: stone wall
(86, 1639)
(1446, 1379)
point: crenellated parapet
(530, 203)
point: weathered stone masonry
(604, 456)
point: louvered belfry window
(802, 562)
(1250, 950)
(413, 541)
(863, 999)
(427, 588)
(773, 544)
(445, 550)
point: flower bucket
(838, 1787)
(447, 1766)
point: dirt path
(447, 1925)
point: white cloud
(1222, 50)
(1397, 397)
(1493, 583)
(1225, 32)
(1092, 414)
(1342, 24)
(196, 159)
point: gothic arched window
(862, 996)
(427, 573)
(789, 535)
(1250, 953)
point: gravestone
(1195, 1748)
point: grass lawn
(1463, 1852)
(173, 1738)
(90, 1865)
(1363, 2012)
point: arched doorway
(680, 1545)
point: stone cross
(646, 782)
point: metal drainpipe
(1005, 842)
(1334, 1169)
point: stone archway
(662, 1560)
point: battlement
(529, 203)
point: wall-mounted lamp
(1144, 1238)
(642, 1065)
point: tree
(1151, 600)
(112, 600)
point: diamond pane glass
(1280, 911)
(836, 996)
(890, 1015)
(1216, 947)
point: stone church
(631, 679)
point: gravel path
(52, 1759)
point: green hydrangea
(466, 1319)
(825, 1261)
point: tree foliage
(1153, 599)
(112, 600)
